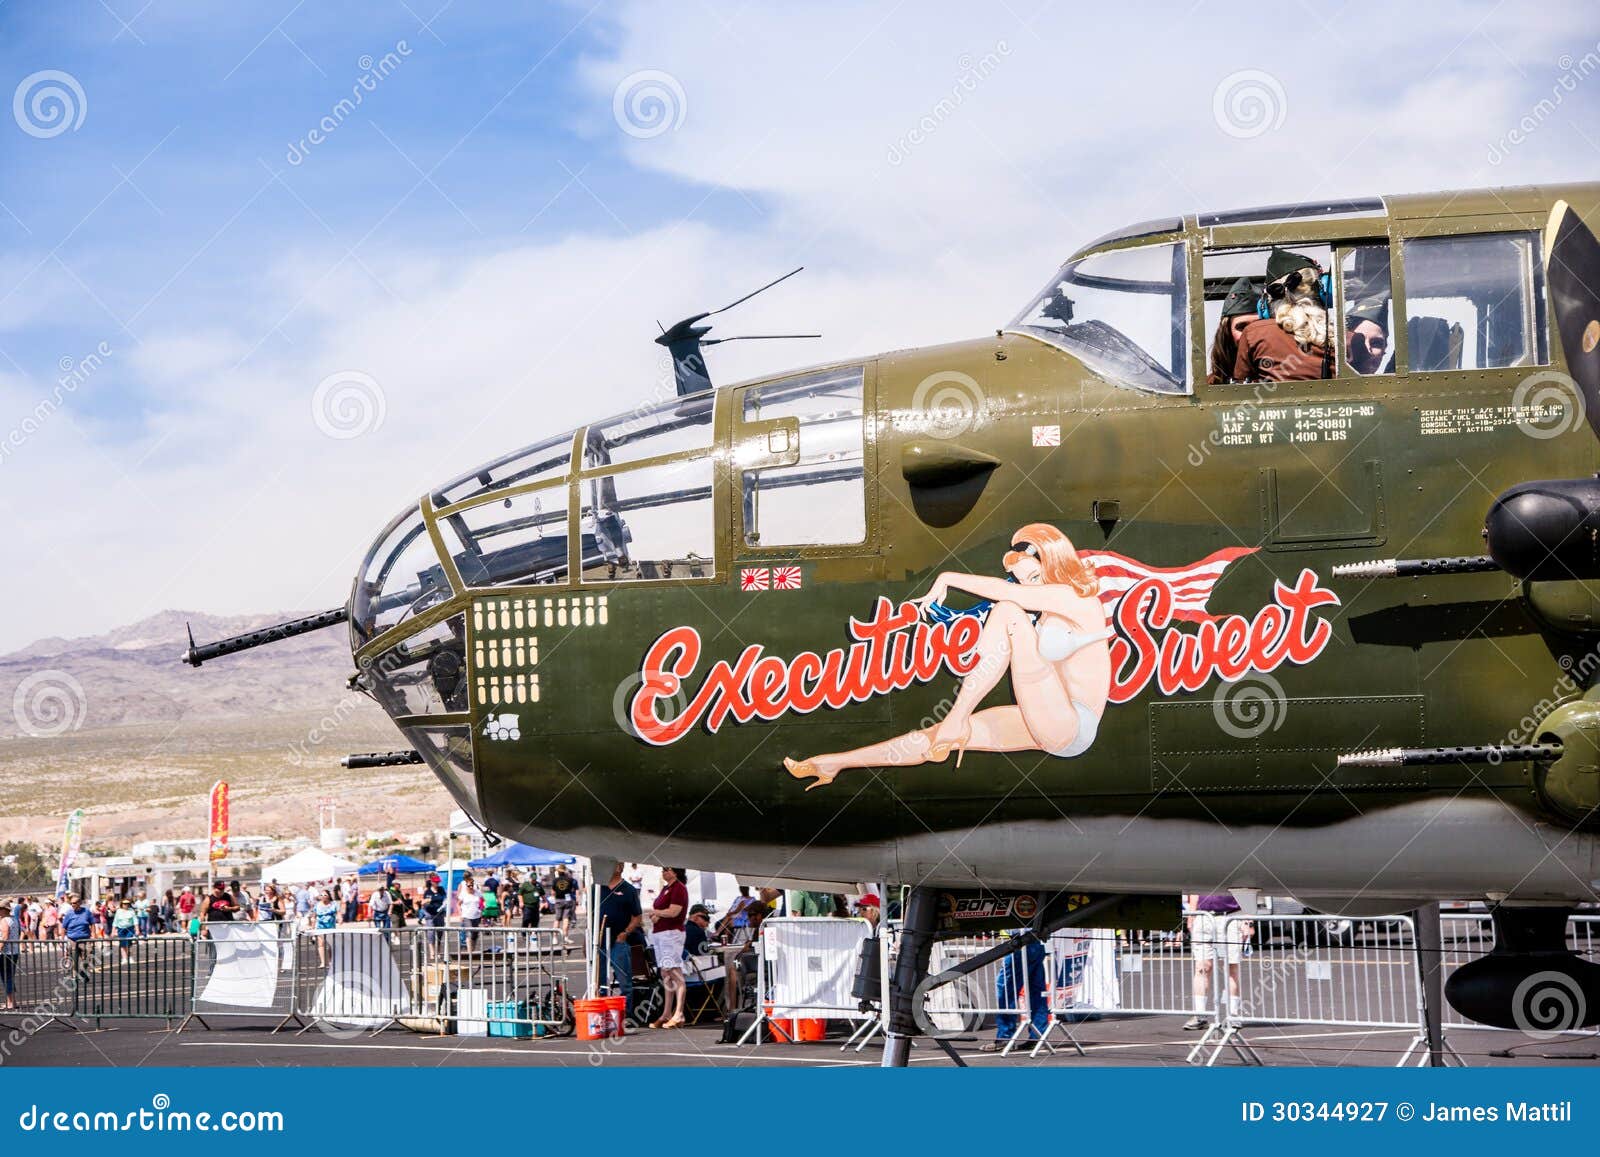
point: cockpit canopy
(507, 523)
(1124, 313)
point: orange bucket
(810, 1030)
(782, 1030)
(591, 1015)
(616, 1015)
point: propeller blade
(1572, 273)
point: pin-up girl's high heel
(808, 769)
(939, 750)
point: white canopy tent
(308, 866)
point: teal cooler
(505, 1019)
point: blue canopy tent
(513, 855)
(402, 865)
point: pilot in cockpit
(1291, 345)
(1238, 310)
(1366, 335)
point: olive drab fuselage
(692, 611)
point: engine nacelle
(1547, 531)
(1571, 784)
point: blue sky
(487, 240)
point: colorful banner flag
(71, 842)
(219, 820)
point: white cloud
(223, 494)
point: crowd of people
(673, 929)
(516, 899)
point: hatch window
(681, 424)
(547, 459)
(652, 523)
(1368, 309)
(424, 675)
(1238, 291)
(803, 476)
(1474, 303)
(1125, 314)
(448, 751)
(520, 540)
(401, 578)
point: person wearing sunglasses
(1366, 335)
(1045, 627)
(1291, 343)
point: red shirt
(186, 903)
(674, 893)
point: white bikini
(1058, 642)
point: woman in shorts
(667, 917)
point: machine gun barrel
(1415, 567)
(380, 759)
(1425, 756)
(197, 654)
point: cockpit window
(520, 540)
(803, 477)
(1124, 313)
(547, 459)
(1475, 303)
(681, 424)
(654, 523)
(401, 578)
(424, 675)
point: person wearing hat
(869, 908)
(697, 931)
(1238, 311)
(1366, 335)
(1292, 344)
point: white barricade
(484, 981)
(244, 968)
(807, 969)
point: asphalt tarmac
(1123, 1041)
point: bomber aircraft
(1259, 552)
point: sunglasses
(1276, 289)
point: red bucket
(616, 1015)
(592, 1016)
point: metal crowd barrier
(806, 968)
(1376, 985)
(244, 969)
(473, 982)
(45, 984)
(146, 978)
